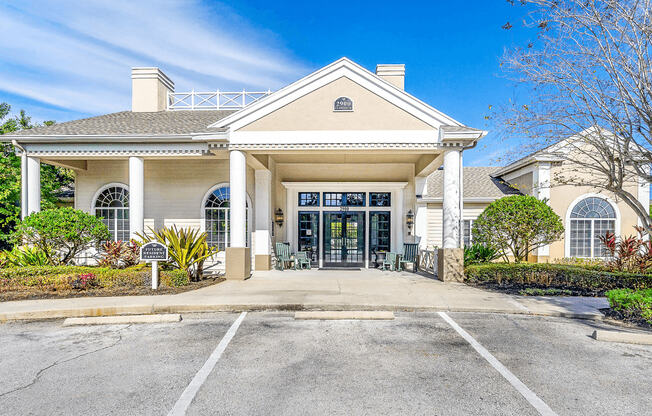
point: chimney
(392, 73)
(149, 89)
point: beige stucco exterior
(314, 111)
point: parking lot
(416, 364)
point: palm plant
(187, 248)
(25, 256)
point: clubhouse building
(343, 164)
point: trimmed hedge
(558, 276)
(66, 277)
(633, 305)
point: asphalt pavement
(270, 363)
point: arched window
(112, 205)
(590, 218)
(217, 213)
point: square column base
(450, 264)
(238, 263)
(263, 262)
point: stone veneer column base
(238, 263)
(450, 264)
(263, 262)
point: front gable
(316, 111)
(302, 113)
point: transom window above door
(380, 199)
(344, 199)
(308, 199)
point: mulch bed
(627, 320)
(35, 293)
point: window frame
(593, 238)
(204, 219)
(115, 232)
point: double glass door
(344, 239)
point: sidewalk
(314, 290)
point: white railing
(428, 261)
(213, 100)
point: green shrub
(69, 277)
(61, 233)
(479, 253)
(517, 225)
(175, 278)
(535, 291)
(555, 276)
(25, 256)
(631, 303)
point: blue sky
(64, 60)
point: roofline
(469, 199)
(521, 163)
(104, 138)
(313, 76)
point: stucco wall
(562, 196)
(314, 111)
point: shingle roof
(127, 122)
(478, 183)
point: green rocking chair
(390, 262)
(301, 261)
(283, 258)
(410, 253)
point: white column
(136, 196)
(541, 182)
(451, 211)
(400, 218)
(238, 203)
(33, 184)
(23, 185)
(263, 212)
(421, 217)
(461, 243)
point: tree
(52, 178)
(516, 226)
(62, 233)
(588, 75)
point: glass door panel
(344, 239)
(379, 234)
(309, 234)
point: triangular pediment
(366, 103)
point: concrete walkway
(314, 290)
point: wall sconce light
(409, 221)
(278, 217)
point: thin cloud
(77, 55)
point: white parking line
(528, 394)
(189, 393)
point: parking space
(415, 364)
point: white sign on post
(154, 252)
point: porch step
(340, 315)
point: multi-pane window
(217, 218)
(467, 227)
(348, 199)
(112, 206)
(379, 232)
(217, 213)
(380, 199)
(308, 199)
(590, 219)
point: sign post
(154, 252)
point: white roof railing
(213, 100)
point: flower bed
(73, 281)
(572, 279)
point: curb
(625, 337)
(123, 319)
(198, 308)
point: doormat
(347, 269)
